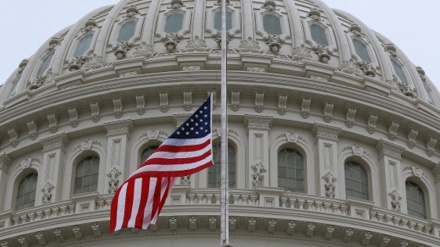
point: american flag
(139, 200)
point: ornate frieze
(258, 174)
(118, 127)
(388, 148)
(258, 122)
(196, 45)
(326, 131)
(250, 46)
(53, 142)
(301, 53)
(144, 50)
(330, 184)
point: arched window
(415, 200)
(214, 171)
(174, 23)
(86, 176)
(45, 64)
(126, 31)
(26, 192)
(291, 170)
(218, 20)
(83, 44)
(147, 152)
(429, 93)
(361, 50)
(272, 24)
(399, 71)
(318, 34)
(356, 180)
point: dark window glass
(214, 171)
(26, 192)
(86, 176)
(399, 71)
(272, 24)
(126, 31)
(174, 23)
(356, 181)
(415, 200)
(83, 45)
(45, 64)
(429, 93)
(361, 50)
(218, 20)
(318, 34)
(147, 152)
(291, 170)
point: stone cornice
(5, 161)
(54, 142)
(325, 131)
(258, 121)
(387, 148)
(119, 127)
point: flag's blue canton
(197, 125)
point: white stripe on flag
(150, 200)
(136, 201)
(121, 207)
(172, 168)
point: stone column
(327, 172)
(436, 173)
(117, 166)
(5, 161)
(258, 127)
(54, 148)
(393, 191)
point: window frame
(304, 168)
(368, 180)
(324, 28)
(74, 172)
(367, 48)
(425, 198)
(217, 166)
(19, 180)
(78, 42)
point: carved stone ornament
(176, 4)
(250, 46)
(323, 53)
(350, 67)
(171, 40)
(367, 68)
(47, 192)
(113, 181)
(255, 69)
(258, 174)
(417, 171)
(329, 184)
(26, 163)
(22, 66)
(86, 145)
(436, 172)
(218, 38)
(185, 180)
(121, 49)
(41, 80)
(93, 62)
(197, 44)
(76, 63)
(407, 90)
(131, 11)
(356, 30)
(89, 25)
(421, 73)
(357, 150)
(144, 50)
(391, 49)
(314, 14)
(269, 5)
(301, 53)
(54, 42)
(274, 42)
(395, 200)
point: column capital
(325, 131)
(259, 122)
(388, 148)
(118, 127)
(54, 142)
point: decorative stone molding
(282, 104)
(274, 42)
(117, 107)
(47, 192)
(77, 232)
(22, 241)
(430, 146)
(357, 151)
(407, 90)
(348, 235)
(350, 117)
(144, 50)
(140, 104)
(421, 73)
(232, 223)
(218, 38)
(329, 184)
(58, 235)
(310, 230)
(255, 69)
(314, 14)
(235, 101)
(176, 4)
(96, 229)
(76, 63)
(305, 107)
(196, 45)
(185, 180)
(367, 238)
(154, 135)
(95, 114)
(13, 137)
(271, 226)
(371, 123)
(367, 68)
(187, 100)
(128, 74)
(356, 30)
(390, 48)
(191, 68)
(173, 223)
(259, 102)
(26, 163)
(32, 126)
(54, 42)
(250, 46)
(56, 141)
(411, 136)
(392, 130)
(113, 180)
(329, 230)
(388, 148)
(258, 174)
(252, 224)
(40, 238)
(163, 98)
(192, 223)
(328, 112)
(118, 127)
(94, 62)
(385, 241)
(301, 53)
(326, 131)
(89, 25)
(131, 11)
(290, 229)
(170, 41)
(323, 53)
(350, 67)
(53, 122)
(73, 116)
(395, 200)
(121, 49)
(5, 162)
(258, 122)
(22, 66)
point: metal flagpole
(224, 200)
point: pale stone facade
(321, 93)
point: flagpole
(224, 200)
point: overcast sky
(26, 24)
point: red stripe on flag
(143, 203)
(177, 161)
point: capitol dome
(332, 130)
